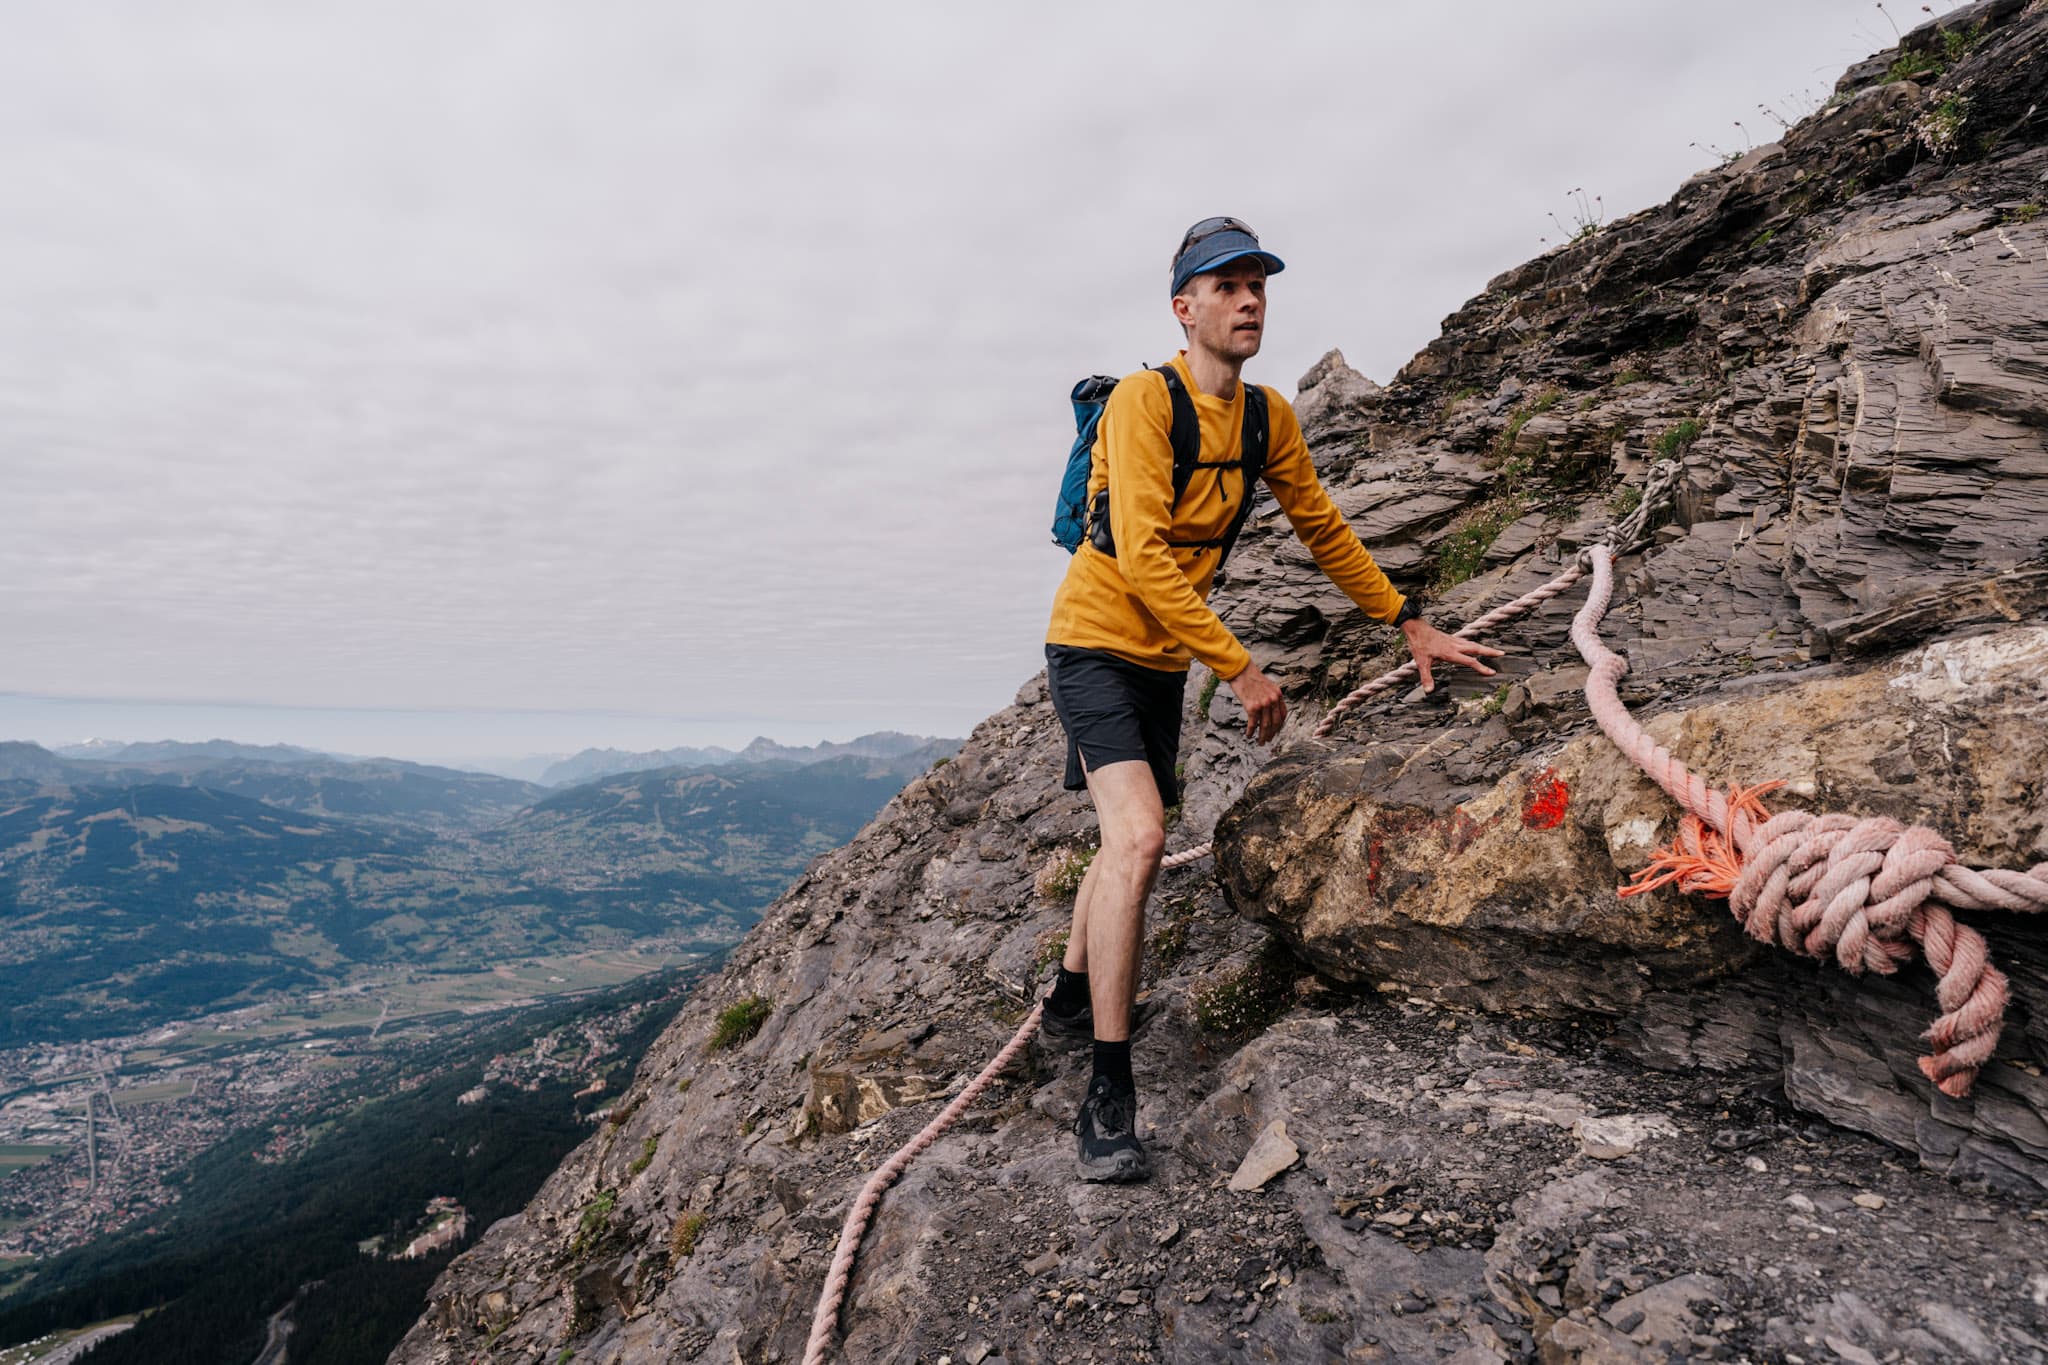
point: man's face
(1224, 310)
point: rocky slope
(1419, 1085)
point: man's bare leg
(1109, 910)
(1075, 959)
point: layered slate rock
(1634, 1137)
(1507, 899)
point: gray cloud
(712, 362)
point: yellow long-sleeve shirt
(1149, 603)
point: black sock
(1113, 1064)
(1069, 992)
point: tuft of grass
(1625, 500)
(1504, 449)
(1679, 439)
(739, 1023)
(747, 1126)
(2025, 213)
(1762, 239)
(1912, 65)
(683, 1086)
(1060, 879)
(1170, 943)
(1461, 553)
(1957, 42)
(1514, 467)
(1208, 694)
(1453, 398)
(1630, 377)
(591, 1226)
(1497, 702)
(682, 1238)
(1248, 1000)
(647, 1150)
(1050, 951)
(1588, 216)
(626, 1109)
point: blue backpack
(1073, 520)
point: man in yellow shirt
(1133, 612)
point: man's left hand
(1430, 645)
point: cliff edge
(1419, 1086)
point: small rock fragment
(1271, 1153)
(1618, 1135)
(1956, 1328)
(1868, 1201)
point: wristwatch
(1411, 610)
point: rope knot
(1859, 890)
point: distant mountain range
(170, 750)
(888, 745)
(152, 882)
(305, 780)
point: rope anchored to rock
(1861, 890)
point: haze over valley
(209, 938)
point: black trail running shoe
(1106, 1135)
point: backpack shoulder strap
(1252, 448)
(1186, 434)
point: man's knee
(1143, 846)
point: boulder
(1334, 399)
(1365, 861)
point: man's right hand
(1265, 710)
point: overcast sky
(475, 366)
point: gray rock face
(1506, 899)
(1839, 337)
(1334, 399)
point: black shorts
(1115, 711)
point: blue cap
(1215, 242)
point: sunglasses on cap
(1209, 227)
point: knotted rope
(1815, 884)
(1860, 890)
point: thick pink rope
(1859, 890)
(826, 1319)
(1807, 883)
